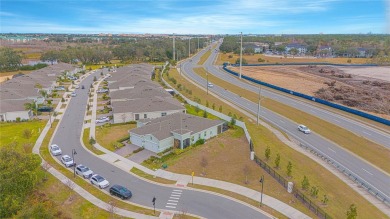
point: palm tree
(31, 106)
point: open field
(342, 195)
(107, 136)
(356, 144)
(253, 59)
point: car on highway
(210, 85)
(99, 181)
(304, 129)
(67, 161)
(102, 119)
(60, 88)
(120, 191)
(55, 150)
(73, 94)
(84, 171)
(100, 91)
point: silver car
(84, 171)
(55, 150)
(67, 161)
(99, 181)
(304, 129)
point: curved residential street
(199, 203)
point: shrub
(27, 133)
(138, 150)
(199, 142)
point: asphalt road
(370, 174)
(354, 126)
(194, 202)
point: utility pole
(207, 78)
(198, 43)
(189, 47)
(258, 106)
(241, 56)
(174, 50)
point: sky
(196, 17)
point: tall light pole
(198, 43)
(262, 185)
(174, 47)
(241, 56)
(207, 79)
(258, 106)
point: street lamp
(207, 79)
(262, 185)
(258, 105)
(241, 56)
(74, 163)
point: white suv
(67, 161)
(55, 150)
(102, 119)
(84, 171)
(99, 181)
(304, 129)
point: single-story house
(177, 130)
(138, 92)
(10, 110)
(145, 108)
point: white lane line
(174, 197)
(368, 172)
(336, 120)
(367, 133)
(178, 190)
(332, 150)
(171, 203)
(167, 206)
(281, 121)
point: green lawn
(192, 110)
(108, 136)
(15, 132)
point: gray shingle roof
(152, 104)
(162, 128)
(139, 92)
(13, 105)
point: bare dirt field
(349, 86)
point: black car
(120, 191)
(82, 86)
(45, 109)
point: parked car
(102, 119)
(120, 191)
(55, 150)
(100, 181)
(84, 171)
(73, 94)
(210, 85)
(77, 86)
(67, 161)
(60, 88)
(304, 129)
(100, 91)
(45, 109)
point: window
(205, 134)
(199, 136)
(145, 116)
(136, 116)
(163, 114)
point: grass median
(366, 149)
(340, 195)
(204, 57)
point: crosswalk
(174, 199)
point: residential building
(302, 49)
(11, 110)
(177, 130)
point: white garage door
(135, 139)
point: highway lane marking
(368, 172)
(367, 133)
(281, 121)
(336, 120)
(332, 150)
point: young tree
(289, 169)
(267, 152)
(213, 106)
(314, 191)
(205, 114)
(207, 103)
(220, 109)
(232, 122)
(246, 171)
(203, 163)
(352, 212)
(305, 183)
(27, 133)
(277, 161)
(325, 200)
(197, 109)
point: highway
(354, 126)
(199, 203)
(370, 174)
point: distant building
(324, 51)
(302, 49)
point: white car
(98, 180)
(84, 171)
(210, 85)
(73, 94)
(77, 86)
(304, 129)
(102, 119)
(67, 160)
(55, 150)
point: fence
(297, 194)
(321, 101)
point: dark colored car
(120, 191)
(45, 109)
(82, 86)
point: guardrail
(351, 175)
(314, 99)
(308, 63)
